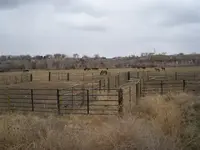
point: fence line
(63, 101)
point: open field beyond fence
(86, 92)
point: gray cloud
(107, 27)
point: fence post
(108, 84)
(118, 79)
(58, 101)
(49, 76)
(161, 87)
(194, 76)
(138, 75)
(176, 76)
(72, 98)
(141, 87)
(183, 85)
(83, 76)
(137, 94)
(68, 76)
(129, 75)
(99, 84)
(31, 77)
(120, 102)
(88, 102)
(130, 96)
(147, 74)
(32, 102)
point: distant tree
(96, 56)
(57, 55)
(75, 55)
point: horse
(103, 72)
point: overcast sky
(106, 27)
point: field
(158, 110)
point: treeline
(61, 61)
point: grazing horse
(95, 68)
(138, 67)
(143, 67)
(103, 72)
(163, 68)
(86, 68)
(106, 68)
(25, 70)
(157, 69)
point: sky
(105, 27)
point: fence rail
(164, 86)
(63, 101)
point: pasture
(153, 116)
(88, 92)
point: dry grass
(158, 123)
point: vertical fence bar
(49, 76)
(137, 94)
(100, 84)
(184, 85)
(129, 75)
(68, 76)
(161, 87)
(176, 76)
(147, 74)
(31, 77)
(108, 84)
(88, 102)
(83, 76)
(58, 101)
(141, 87)
(72, 98)
(138, 74)
(120, 102)
(83, 101)
(32, 102)
(194, 76)
(130, 96)
(118, 79)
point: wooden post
(147, 76)
(72, 98)
(49, 76)
(120, 102)
(137, 94)
(88, 102)
(161, 87)
(138, 75)
(176, 76)
(31, 77)
(108, 84)
(99, 84)
(68, 76)
(83, 88)
(118, 79)
(184, 85)
(83, 76)
(32, 102)
(130, 96)
(58, 101)
(141, 87)
(129, 75)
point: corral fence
(63, 101)
(66, 76)
(164, 75)
(6, 79)
(144, 88)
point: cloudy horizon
(105, 27)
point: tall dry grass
(158, 123)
